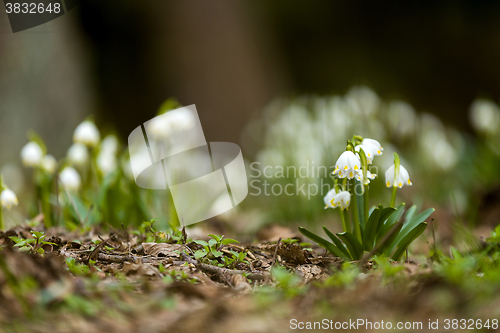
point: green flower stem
(1, 218)
(393, 199)
(365, 202)
(345, 227)
(357, 227)
(397, 163)
(173, 218)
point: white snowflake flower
(342, 200)
(348, 165)
(329, 197)
(403, 177)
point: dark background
(121, 59)
(231, 57)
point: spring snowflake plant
(379, 230)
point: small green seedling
(32, 245)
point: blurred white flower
(485, 116)
(32, 154)
(444, 155)
(327, 199)
(110, 144)
(362, 100)
(87, 134)
(70, 178)
(342, 200)
(401, 118)
(49, 164)
(8, 199)
(403, 177)
(348, 165)
(78, 154)
(181, 121)
(106, 162)
(162, 126)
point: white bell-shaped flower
(8, 199)
(348, 165)
(342, 200)
(329, 197)
(49, 164)
(375, 146)
(87, 134)
(32, 154)
(70, 179)
(78, 154)
(403, 177)
(370, 153)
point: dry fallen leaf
(162, 249)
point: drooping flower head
(87, 133)
(329, 197)
(335, 198)
(348, 165)
(8, 199)
(403, 177)
(342, 200)
(32, 154)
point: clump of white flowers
(32, 154)
(372, 230)
(87, 133)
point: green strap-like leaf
(371, 229)
(396, 216)
(361, 209)
(354, 246)
(407, 227)
(385, 213)
(337, 242)
(323, 242)
(408, 239)
(384, 248)
(410, 213)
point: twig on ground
(222, 271)
(275, 253)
